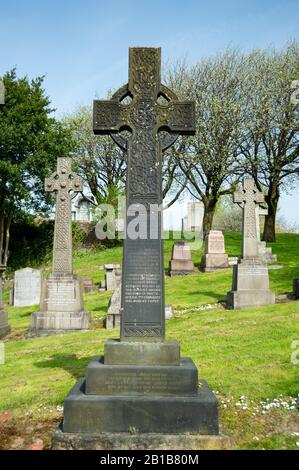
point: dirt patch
(23, 433)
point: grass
(240, 353)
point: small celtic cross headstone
(143, 268)
(249, 197)
(63, 181)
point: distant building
(81, 208)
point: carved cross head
(64, 180)
(137, 106)
(249, 194)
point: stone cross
(249, 198)
(62, 182)
(152, 108)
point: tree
(97, 158)
(271, 145)
(211, 160)
(30, 142)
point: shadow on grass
(207, 293)
(69, 362)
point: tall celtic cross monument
(143, 270)
(61, 307)
(62, 182)
(250, 285)
(249, 198)
(4, 326)
(141, 382)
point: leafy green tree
(30, 141)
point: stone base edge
(4, 330)
(43, 333)
(181, 273)
(251, 298)
(145, 441)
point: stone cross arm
(112, 116)
(144, 110)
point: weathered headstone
(181, 260)
(4, 326)
(112, 277)
(27, 287)
(265, 252)
(215, 257)
(141, 383)
(250, 286)
(61, 307)
(114, 310)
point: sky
(81, 46)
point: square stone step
(131, 380)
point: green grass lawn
(240, 353)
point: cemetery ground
(244, 355)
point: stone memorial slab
(250, 284)
(27, 287)
(181, 261)
(215, 257)
(141, 382)
(61, 308)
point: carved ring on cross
(167, 139)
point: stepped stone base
(146, 414)
(139, 441)
(250, 285)
(4, 326)
(138, 389)
(61, 308)
(214, 262)
(296, 287)
(47, 325)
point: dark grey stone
(95, 414)
(296, 287)
(143, 313)
(141, 380)
(129, 353)
(138, 441)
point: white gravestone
(27, 287)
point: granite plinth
(250, 287)
(61, 307)
(140, 441)
(214, 262)
(146, 414)
(137, 353)
(132, 380)
(180, 267)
